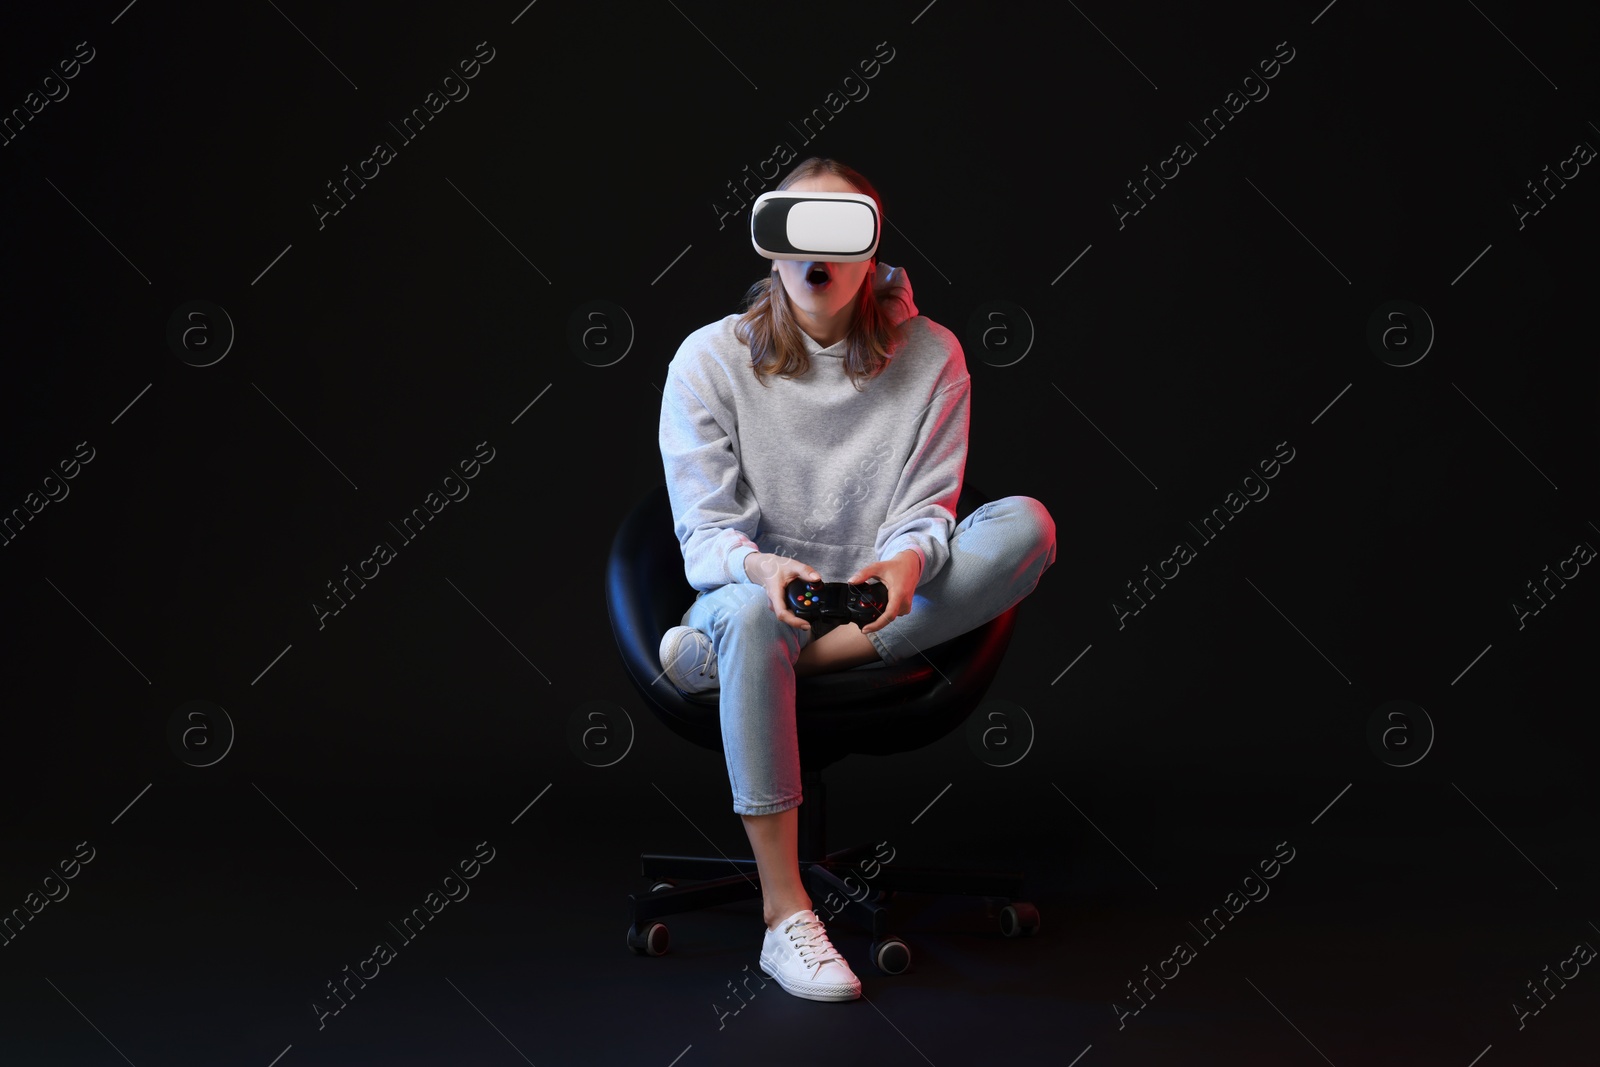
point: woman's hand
(774, 573)
(900, 575)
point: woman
(822, 434)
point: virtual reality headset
(838, 227)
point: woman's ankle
(773, 917)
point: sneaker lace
(707, 667)
(812, 943)
(703, 659)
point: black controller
(838, 601)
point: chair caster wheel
(1019, 919)
(891, 955)
(652, 940)
(662, 883)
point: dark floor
(1401, 930)
(1403, 161)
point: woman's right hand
(774, 573)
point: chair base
(831, 883)
(834, 881)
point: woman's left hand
(900, 576)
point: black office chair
(893, 708)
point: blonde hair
(768, 326)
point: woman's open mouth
(818, 279)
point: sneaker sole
(807, 990)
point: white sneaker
(688, 660)
(805, 963)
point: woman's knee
(754, 617)
(1037, 522)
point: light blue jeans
(997, 556)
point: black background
(1229, 315)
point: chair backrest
(895, 708)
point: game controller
(837, 601)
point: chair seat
(892, 708)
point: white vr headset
(837, 227)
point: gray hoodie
(809, 467)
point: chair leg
(844, 857)
(830, 894)
(694, 897)
(949, 883)
(696, 868)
